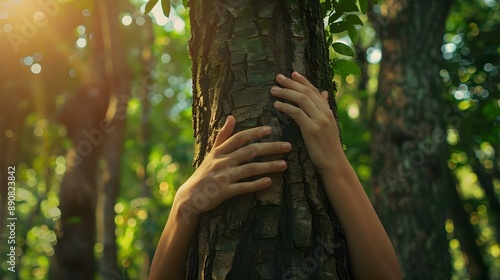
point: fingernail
(266, 181)
(277, 104)
(280, 77)
(267, 129)
(286, 146)
(282, 164)
(275, 89)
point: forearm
(371, 253)
(172, 250)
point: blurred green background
(39, 73)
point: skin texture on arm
(215, 180)
(371, 253)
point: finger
(325, 94)
(303, 80)
(256, 168)
(252, 151)
(295, 113)
(225, 132)
(305, 88)
(304, 101)
(248, 187)
(241, 138)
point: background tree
(94, 116)
(410, 177)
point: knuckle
(221, 178)
(239, 137)
(252, 151)
(252, 168)
(303, 98)
(294, 111)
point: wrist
(337, 164)
(183, 211)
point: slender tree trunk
(74, 251)
(409, 152)
(288, 231)
(84, 117)
(118, 75)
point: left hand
(314, 117)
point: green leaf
(339, 71)
(340, 26)
(375, 2)
(329, 40)
(348, 66)
(343, 49)
(354, 19)
(150, 5)
(363, 4)
(326, 7)
(336, 6)
(165, 6)
(333, 17)
(185, 3)
(348, 6)
(353, 34)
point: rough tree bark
(410, 176)
(288, 231)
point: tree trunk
(409, 152)
(289, 230)
(118, 76)
(84, 117)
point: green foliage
(165, 6)
(150, 5)
(343, 16)
(471, 74)
(348, 66)
(343, 49)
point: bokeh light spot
(36, 68)
(7, 28)
(38, 15)
(28, 60)
(126, 20)
(373, 55)
(165, 58)
(81, 43)
(86, 12)
(80, 30)
(140, 21)
(38, 131)
(353, 111)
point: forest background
(49, 57)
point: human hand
(217, 178)
(314, 117)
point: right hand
(218, 177)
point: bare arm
(371, 253)
(215, 180)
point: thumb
(225, 132)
